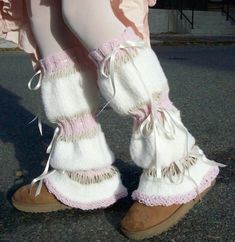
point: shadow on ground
(29, 147)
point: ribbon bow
(46, 172)
(111, 58)
(35, 88)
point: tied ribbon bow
(153, 125)
(46, 172)
(35, 88)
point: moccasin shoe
(24, 200)
(143, 221)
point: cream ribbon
(35, 88)
(46, 172)
(207, 161)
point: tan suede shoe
(143, 221)
(25, 201)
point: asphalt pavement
(202, 87)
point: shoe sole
(39, 208)
(168, 223)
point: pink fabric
(168, 200)
(77, 126)
(134, 13)
(58, 61)
(14, 24)
(164, 101)
(85, 206)
(62, 59)
(99, 54)
(142, 113)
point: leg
(83, 175)
(48, 27)
(175, 170)
(99, 12)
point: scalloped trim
(178, 199)
(86, 206)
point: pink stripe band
(100, 53)
(63, 59)
(77, 126)
(142, 113)
(86, 206)
(178, 199)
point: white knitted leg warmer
(82, 175)
(132, 80)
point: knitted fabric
(78, 147)
(133, 82)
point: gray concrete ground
(202, 87)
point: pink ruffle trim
(178, 199)
(86, 206)
(100, 53)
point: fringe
(90, 177)
(173, 169)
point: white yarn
(68, 95)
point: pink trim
(163, 102)
(77, 126)
(178, 199)
(58, 60)
(141, 114)
(100, 53)
(85, 206)
(63, 59)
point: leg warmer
(131, 78)
(83, 175)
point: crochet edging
(178, 199)
(86, 206)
